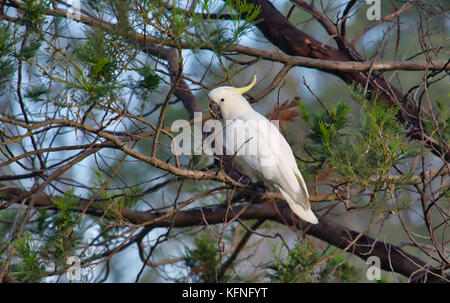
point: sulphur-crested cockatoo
(260, 148)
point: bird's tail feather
(304, 214)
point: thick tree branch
(391, 256)
(182, 90)
(292, 41)
(342, 66)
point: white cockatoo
(260, 148)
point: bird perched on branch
(260, 148)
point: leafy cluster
(112, 201)
(33, 12)
(365, 153)
(100, 68)
(203, 259)
(381, 144)
(298, 266)
(337, 268)
(6, 63)
(30, 267)
(63, 236)
(150, 79)
(46, 244)
(326, 131)
(56, 235)
(218, 32)
(303, 264)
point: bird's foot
(258, 187)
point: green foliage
(63, 237)
(102, 59)
(357, 93)
(217, 33)
(115, 199)
(326, 131)
(6, 64)
(381, 143)
(303, 111)
(29, 51)
(213, 35)
(59, 234)
(66, 204)
(303, 264)
(151, 80)
(6, 71)
(98, 54)
(203, 260)
(35, 92)
(298, 266)
(364, 153)
(34, 10)
(57, 237)
(338, 269)
(244, 15)
(30, 268)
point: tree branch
(391, 256)
(292, 41)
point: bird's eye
(222, 99)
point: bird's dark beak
(214, 110)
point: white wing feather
(266, 156)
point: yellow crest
(243, 90)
